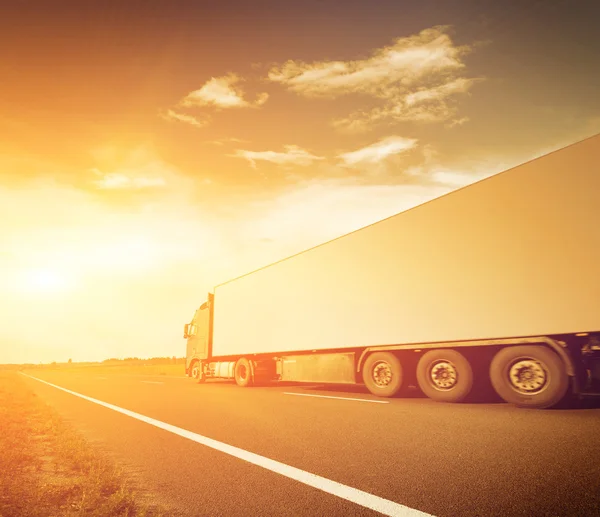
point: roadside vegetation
(124, 369)
(171, 366)
(47, 469)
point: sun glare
(44, 281)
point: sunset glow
(44, 281)
(148, 155)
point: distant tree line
(111, 361)
(152, 360)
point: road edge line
(354, 495)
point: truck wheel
(445, 375)
(382, 374)
(529, 376)
(201, 377)
(243, 372)
(195, 370)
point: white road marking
(153, 382)
(338, 398)
(184, 377)
(354, 495)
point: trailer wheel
(529, 376)
(243, 372)
(445, 375)
(382, 374)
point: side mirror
(185, 331)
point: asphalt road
(449, 460)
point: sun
(45, 281)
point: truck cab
(198, 334)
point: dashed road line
(338, 398)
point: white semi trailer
(498, 281)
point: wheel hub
(528, 376)
(443, 375)
(382, 374)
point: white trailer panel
(517, 254)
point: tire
(243, 372)
(445, 375)
(382, 374)
(196, 372)
(530, 376)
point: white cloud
(224, 141)
(115, 180)
(379, 151)
(413, 78)
(433, 104)
(388, 71)
(459, 179)
(456, 177)
(432, 171)
(222, 92)
(293, 155)
(424, 95)
(187, 119)
(457, 122)
(134, 169)
(261, 98)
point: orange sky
(150, 152)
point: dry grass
(47, 469)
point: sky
(152, 150)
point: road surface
(402, 455)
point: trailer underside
(539, 371)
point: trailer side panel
(517, 254)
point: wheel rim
(528, 376)
(242, 372)
(381, 374)
(443, 375)
(195, 371)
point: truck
(494, 284)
